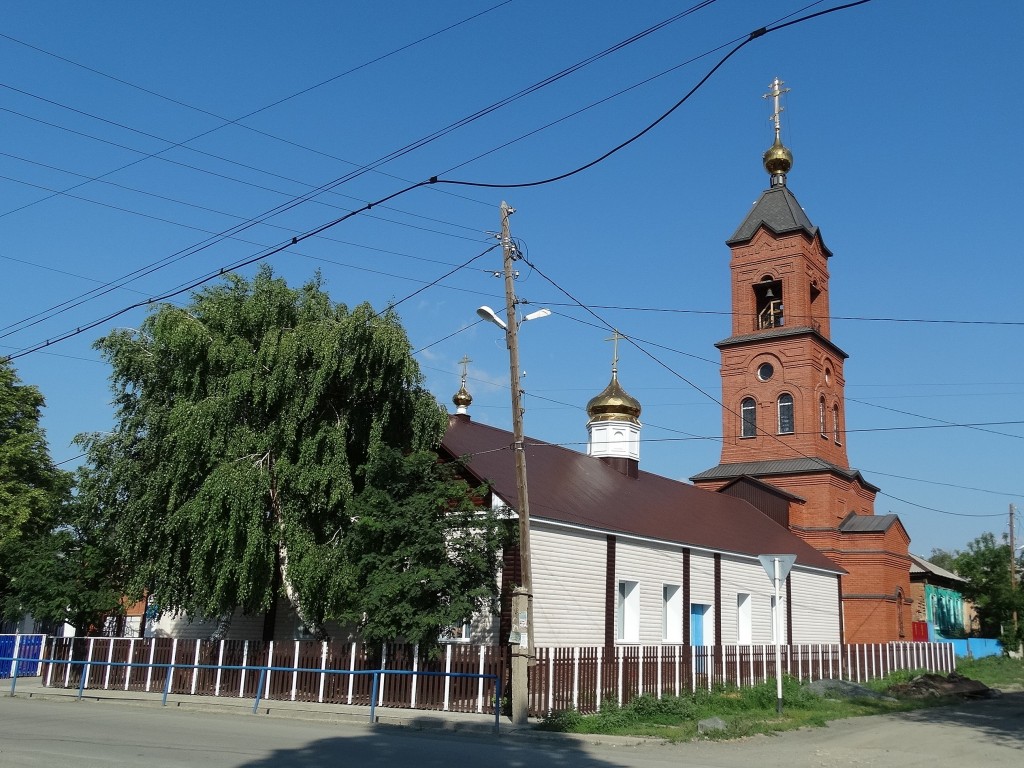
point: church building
(784, 415)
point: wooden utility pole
(522, 598)
(1013, 570)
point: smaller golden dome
(462, 398)
(777, 159)
(614, 404)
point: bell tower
(782, 377)
(783, 406)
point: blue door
(697, 612)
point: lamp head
(537, 315)
(489, 314)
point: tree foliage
(248, 423)
(35, 577)
(452, 551)
(30, 486)
(986, 566)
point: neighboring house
(938, 601)
(622, 556)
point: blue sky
(904, 120)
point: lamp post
(522, 597)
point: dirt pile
(953, 684)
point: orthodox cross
(464, 362)
(776, 91)
(615, 349)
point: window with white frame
(627, 623)
(672, 613)
(744, 622)
(457, 633)
(835, 425)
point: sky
(174, 140)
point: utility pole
(522, 597)
(1013, 571)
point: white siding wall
(286, 627)
(746, 575)
(651, 566)
(568, 586)
(815, 607)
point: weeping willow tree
(254, 429)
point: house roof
(572, 488)
(778, 210)
(775, 467)
(920, 565)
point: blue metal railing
(86, 667)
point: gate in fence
(26, 648)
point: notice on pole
(785, 563)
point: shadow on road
(391, 746)
(1001, 719)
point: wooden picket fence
(584, 678)
(579, 678)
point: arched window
(821, 418)
(899, 612)
(786, 414)
(748, 416)
(835, 424)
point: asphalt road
(57, 733)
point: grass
(750, 711)
(994, 671)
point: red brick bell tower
(783, 416)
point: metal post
(778, 639)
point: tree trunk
(315, 627)
(221, 631)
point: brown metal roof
(570, 487)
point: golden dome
(777, 159)
(614, 404)
(462, 398)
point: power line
(419, 143)
(238, 121)
(433, 180)
(728, 313)
(560, 177)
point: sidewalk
(32, 687)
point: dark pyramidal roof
(778, 210)
(572, 488)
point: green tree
(30, 485)
(417, 534)
(65, 571)
(33, 494)
(986, 566)
(944, 559)
(246, 426)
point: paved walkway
(32, 687)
